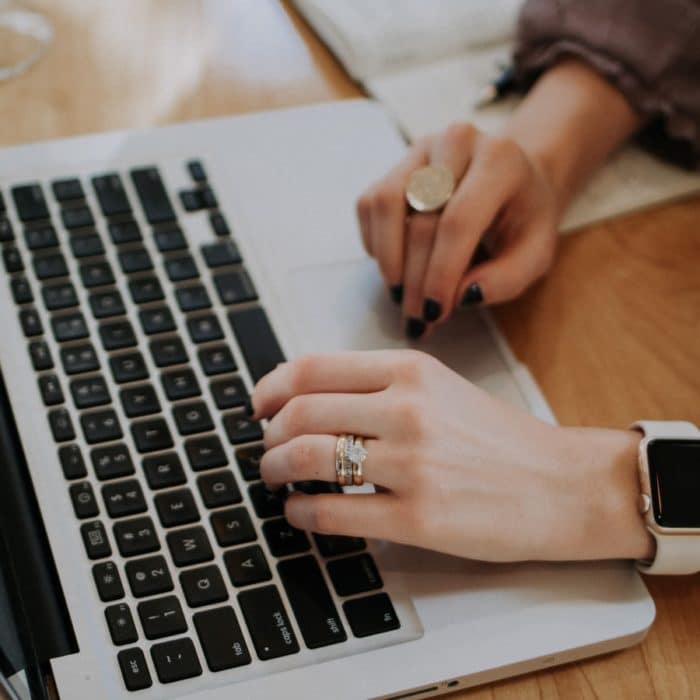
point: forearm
(570, 122)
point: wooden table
(613, 333)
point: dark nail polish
(415, 328)
(432, 310)
(248, 407)
(472, 295)
(396, 293)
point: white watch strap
(675, 554)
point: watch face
(674, 470)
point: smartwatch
(669, 473)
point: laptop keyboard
(191, 582)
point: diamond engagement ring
(350, 453)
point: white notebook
(427, 61)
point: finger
(360, 515)
(388, 216)
(510, 272)
(364, 219)
(453, 149)
(326, 414)
(419, 243)
(342, 372)
(488, 186)
(312, 457)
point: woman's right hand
(502, 195)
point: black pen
(499, 88)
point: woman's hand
(459, 471)
(501, 195)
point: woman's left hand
(460, 471)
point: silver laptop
(149, 279)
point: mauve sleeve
(648, 49)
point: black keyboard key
(139, 401)
(218, 489)
(223, 253)
(13, 260)
(352, 575)
(268, 622)
(192, 417)
(111, 462)
(372, 615)
(116, 335)
(241, 429)
(180, 384)
(161, 617)
(267, 504)
(79, 358)
(83, 498)
(311, 602)
(170, 239)
(50, 388)
(233, 526)
(217, 360)
(189, 545)
(145, 289)
(31, 323)
(134, 670)
(72, 462)
(151, 435)
(205, 453)
(108, 581)
(59, 296)
(39, 237)
(314, 487)
(6, 232)
(111, 195)
(196, 170)
(95, 540)
(129, 367)
(221, 638)
(176, 660)
(229, 392)
(123, 498)
(153, 196)
(182, 268)
(61, 425)
(158, 320)
(124, 232)
(30, 202)
(135, 260)
(77, 217)
(21, 291)
(235, 287)
(164, 470)
(96, 274)
(208, 198)
(40, 355)
(148, 576)
(191, 200)
(283, 539)
(192, 298)
(219, 224)
(176, 508)
(106, 304)
(257, 340)
(248, 459)
(69, 327)
(86, 246)
(101, 426)
(246, 566)
(203, 586)
(334, 545)
(136, 536)
(168, 351)
(121, 624)
(89, 392)
(203, 329)
(67, 190)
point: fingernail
(248, 407)
(432, 310)
(396, 293)
(472, 295)
(415, 328)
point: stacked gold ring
(350, 453)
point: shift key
(268, 622)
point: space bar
(258, 343)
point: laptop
(149, 279)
